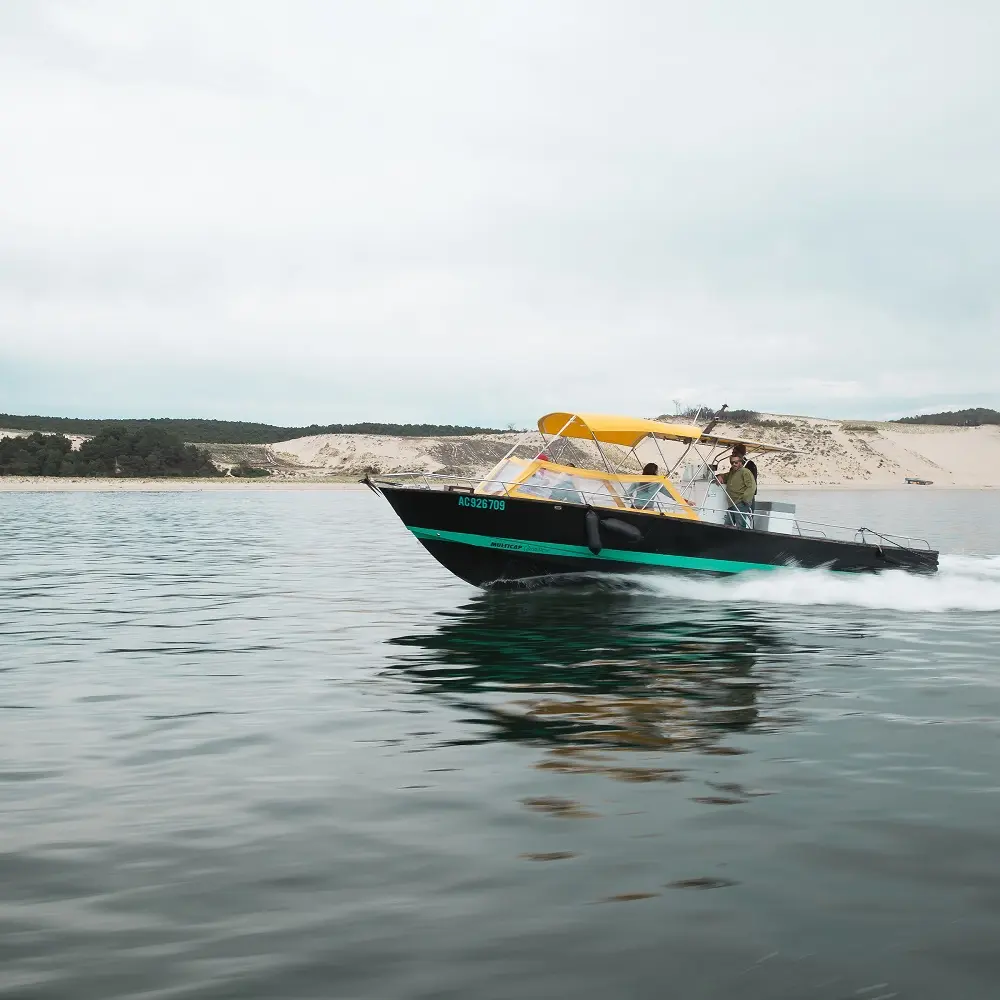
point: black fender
(629, 532)
(593, 529)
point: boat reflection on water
(598, 669)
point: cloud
(381, 211)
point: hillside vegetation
(113, 452)
(230, 431)
(976, 417)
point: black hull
(516, 542)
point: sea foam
(963, 583)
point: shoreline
(55, 484)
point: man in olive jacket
(741, 488)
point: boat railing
(811, 532)
(862, 536)
(893, 539)
(803, 526)
(446, 483)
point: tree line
(232, 431)
(703, 414)
(974, 417)
(113, 451)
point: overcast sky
(478, 212)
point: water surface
(261, 745)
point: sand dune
(856, 453)
(885, 454)
(830, 453)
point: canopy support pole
(663, 458)
(521, 439)
(516, 445)
(607, 464)
(631, 451)
(684, 454)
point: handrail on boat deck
(883, 537)
(473, 480)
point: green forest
(975, 417)
(229, 431)
(703, 414)
(113, 451)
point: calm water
(261, 745)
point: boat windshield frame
(622, 489)
(629, 432)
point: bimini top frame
(545, 478)
(629, 431)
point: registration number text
(483, 503)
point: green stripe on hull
(582, 552)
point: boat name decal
(496, 544)
(484, 503)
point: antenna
(711, 424)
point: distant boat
(913, 481)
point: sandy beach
(52, 484)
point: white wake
(963, 583)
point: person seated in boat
(741, 488)
(641, 495)
(566, 488)
(540, 483)
(549, 484)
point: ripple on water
(260, 745)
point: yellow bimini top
(610, 428)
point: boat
(913, 481)
(583, 496)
